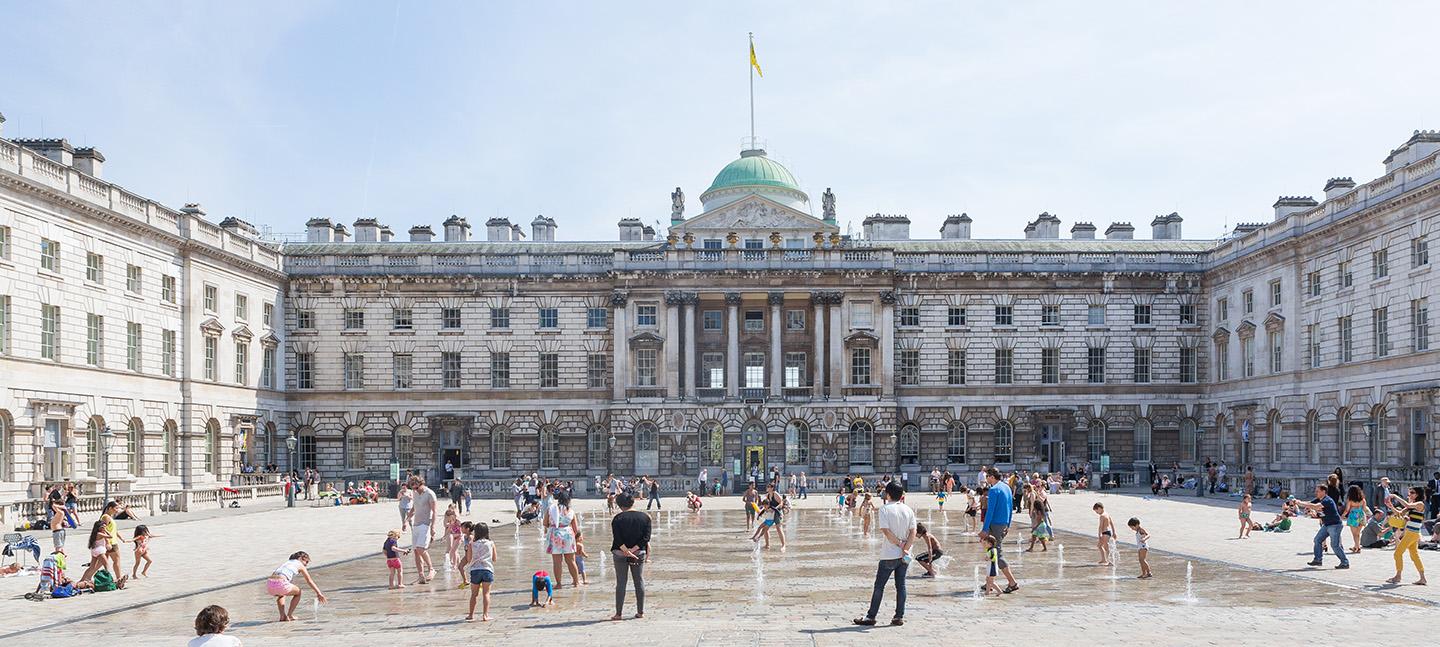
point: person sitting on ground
(1283, 520)
(530, 512)
(210, 627)
(1377, 533)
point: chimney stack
(1420, 146)
(1045, 226)
(647, 233)
(421, 234)
(1246, 227)
(456, 230)
(386, 234)
(1288, 204)
(886, 227)
(89, 161)
(631, 229)
(1120, 231)
(318, 230)
(955, 227)
(239, 227)
(542, 230)
(341, 234)
(1338, 186)
(367, 230)
(54, 149)
(1082, 231)
(1166, 227)
(497, 230)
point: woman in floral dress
(560, 538)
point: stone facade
(754, 335)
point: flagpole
(751, 67)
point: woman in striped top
(1413, 511)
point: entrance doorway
(450, 456)
(755, 461)
(1053, 439)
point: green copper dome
(754, 169)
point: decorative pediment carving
(269, 340)
(211, 328)
(242, 333)
(1245, 329)
(1221, 334)
(646, 338)
(1274, 322)
(862, 337)
(756, 213)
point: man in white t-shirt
(422, 527)
(897, 527)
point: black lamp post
(107, 443)
(610, 454)
(290, 442)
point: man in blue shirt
(1325, 507)
(998, 501)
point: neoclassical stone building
(750, 334)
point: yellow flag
(755, 62)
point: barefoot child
(392, 559)
(453, 534)
(580, 556)
(1244, 513)
(142, 550)
(992, 555)
(1106, 535)
(540, 580)
(867, 507)
(1142, 544)
(480, 556)
(281, 584)
(1039, 528)
(932, 550)
(972, 509)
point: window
(1049, 315)
(305, 319)
(955, 441)
(1247, 301)
(1095, 315)
(599, 446)
(354, 319)
(404, 446)
(94, 267)
(1142, 440)
(132, 346)
(1189, 440)
(94, 339)
(712, 320)
(1312, 283)
(597, 370)
(167, 352)
(133, 456)
(1312, 436)
(211, 298)
(305, 450)
(354, 448)
(304, 370)
(499, 317)
(1189, 366)
(596, 318)
(754, 320)
(450, 369)
(450, 318)
(1004, 315)
(212, 448)
(549, 448)
(955, 316)
(1247, 356)
(1004, 366)
(1275, 294)
(549, 370)
(1312, 335)
(862, 314)
(1381, 319)
(1095, 365)
(1142, 314)
(908, 445)
(402, 319)
(1380, 263)
(499, 370)
(862, 442)
(1419, 321)
(1187, 314)
(712, 370)
(754, 370)
(1223, 306)
(242, 362)
(4, 324)
(909, 367)
(132, 279)
(754, 243)
(1095, 442)
(794, 369)
(1050, 366)
(92, 447)
(797, 443)
(860, 366)
(267, 367)
(1419, 252)
(1142, 365)
(167, 288)
(354, 371)
(712, 243)
(549, 318)
(404, 364)
(955, 367)
(646, 360)
(795, 320)
(1347, 277)
(1004, 441)
(1222, 360)
(267, 314)
(645, 315)
(1347, 347)
(712, 438)
(242, 307)
(5, 243)
(1277, 351)
(910, 316)
(50, 332)
(50, 255)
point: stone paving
(708, 586)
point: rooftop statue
(827, 204)
(677, 204)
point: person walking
(998, 508)
(1413, 511)
(422, 527)
(805, 486)
(630, 547)
(1330, 526)
(897, 525)
(652, 488)
(704, 481)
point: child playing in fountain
(580, 556)
(940, 499)
(992, 555)
(540, 580)
(867, 508)
(392, 559)
(840, 498)
(480, 556)
(693, 502)
(1142, 545)
(932, 550)
(972, 509)
(1244, 513)
(1106, 535)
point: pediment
(646, 338)
(1221, 334)
(270, 339)
(754, 214)
(1246, 328)
(212, 327)
(1275, 321)
(862, 337)
(242, 333)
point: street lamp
(107, 443)
(610, 453)
(290, 442)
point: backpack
(104, 581)
(65, 591)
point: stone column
(887, 344)
(837, 344)
(817, 328)
(691, 299)
(673, 301)
(732, 344)
(777, 370)
(620, 315)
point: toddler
(580, 556)
(541, 579)
(1106, 535)
(142, 550)
(992, 556)
(1142, 543)
(1244, 512)
(392, 559)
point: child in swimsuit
(992, 555)
(1142, 544)
(580, 556)
(540, 580)
(1106, 535)
(392, 559)
(1245, 507)
(932, 552)
(142, 550)
(866, 508)
(452, 533)
(940, 499)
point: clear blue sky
(591, 112)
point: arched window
(647, 437)
(1004, 441)
(404, 446)
(1221, 435)
(909, 445)
(712, 438)
(549, 448)
(797, 443)
(1276, 437)
(1342, 426)
(134, 435)
(355, 448)
(1189, 440)
(1312, 436)
(599, 447)
(1095, 442)
(212, 447)
(956, 442)
(171, 447)
(1375, 436)
(5, 450)
(862, 442)
(499, 448)
(1142, 440)
(92, 446)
